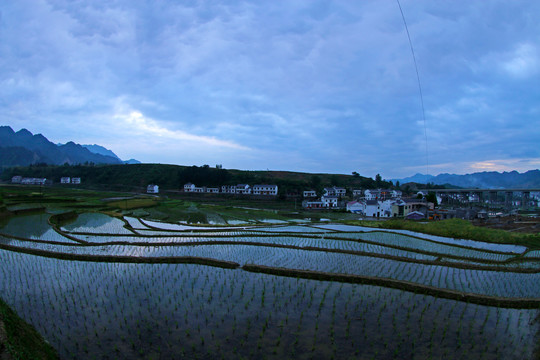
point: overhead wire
(419, 85)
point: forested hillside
(173, 177)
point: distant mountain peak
(486, 179)
(4, 129)
(132, 161)
(98, 149)
(24, 132)
(22, 148)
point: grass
(135, 203)
(22, 341)
(199, 209)
(191, 210)
(456, 228)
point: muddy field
(512, 223)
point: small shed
(355, 207)
(152, 189)
(415, 215)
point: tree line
(173, 177)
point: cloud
(466, 167)
(327, 86)
(524, 61)
(135, 123)
(505, 165)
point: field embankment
(456, 228)
(19, 340)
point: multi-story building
(335, 191)
(265, 190)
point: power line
(419, 85)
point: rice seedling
(144, 308)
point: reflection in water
(97, 223)
(4, 240)
(195, 311)
(89, 220)
(29, 226)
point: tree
(431, 197)
(407, 190)
(378, 180)
(315, 181)
(355, 174)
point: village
(367, 203)
(379, 203)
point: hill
(98, 149)
(486, 179)
(23, 148)
(135, 177)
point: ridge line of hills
(22, 148)
(487, 179)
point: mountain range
(22, 148)
(485, 180)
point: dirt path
(512, 224)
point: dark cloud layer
(306, 85)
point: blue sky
(315, 86)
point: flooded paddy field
(103, 287)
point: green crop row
(455, 228)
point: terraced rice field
(109, 287)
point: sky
(312, 86)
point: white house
(152, 189)
(33, 181)
(16, 179)
(381, 194)
(387, 208)
(244, 189)
(371, 194)
(265, 190)
(189, 187)
(228, 189)
(76, 180)
(65, 180)
(312, 204)
(373, 208)
(330, 201)
(357, 192)
(310, 193)
(335, 191)
(356, 207)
